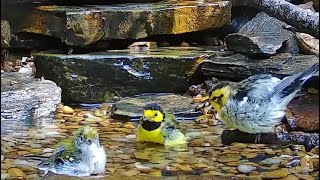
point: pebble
(271, 161)
(250, 155)
(36, 146)
(15, 172)
(21, 153)
(33, 176)
(67, 110)
(280, 173)
(290, 177)
(5, 175)
(269, 151)
(131, 172)
(239, 145)
(243, 168)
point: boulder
(5, 34)
(305, 111)
(263, 36)
(132, 108)
(84, 25)
(308, 44)
(26, 100)
(236, 67)
(97, 77)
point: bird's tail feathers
(309, 72)
(292, 83)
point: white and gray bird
(258, 103)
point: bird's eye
(155, 114)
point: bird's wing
(256, 87)
(141, 120)
(170, 121)
(65, 151)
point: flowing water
(204, 157)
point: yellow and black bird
(159, 127)
(257, 104)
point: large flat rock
(26, 100)
(132, 108)
(84, 25)
(97, 77)
(236, 67)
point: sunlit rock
(84, 25)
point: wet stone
(246, 168)
(23, 97)
(276, 173)
(98, 77)
(132, 108)
(125, 21)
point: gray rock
(263, 36)
(98, 77)
(132, 108)
(26, 100)
(237, 67)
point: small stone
(271, 161)
(67, 110)
(140, 166)
(104, 123)
(35, 150)
(33, 176)
(313, 90)
(15, 172)
(36, 146)
(250, 155)
(239, 145)
(5, 175)
(131, 136)
(131, 173)
(215, 173)
(243, 168)
(129, 125)
(305, 176)
(124, 156)
(21, 153)
(290, 177)
(47, 150)
(185, 167)
(283, 172)
(224, 159)
(269, 151)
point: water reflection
(202, 158)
